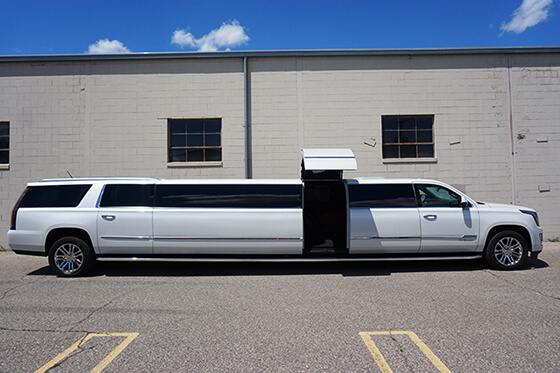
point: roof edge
(282, 53)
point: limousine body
(319, 218)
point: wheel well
(516, 228)
(58, 233)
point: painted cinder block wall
(496, 118)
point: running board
(285, 260)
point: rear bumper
(26, 242)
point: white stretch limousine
(321, 217)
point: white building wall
(109, 118)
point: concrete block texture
(495, 118)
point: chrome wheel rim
(68, 258)
(508, 251)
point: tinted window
(127, 195)
(381, 195)
(240, 196)
(54, 196)
(437, 196)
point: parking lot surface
(448, 316)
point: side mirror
(464, 204)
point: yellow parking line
(99, 367)
(382, 363)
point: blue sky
(75, 27)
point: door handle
(108, 217)
(430, 217)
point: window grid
(408, 136)
(195, 140)
(4, 142)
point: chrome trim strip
(384, 238)
(458, 238)
(185, 238)
(126, 237)
(285, 260)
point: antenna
(69, 174)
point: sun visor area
(328, 159)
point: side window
(54, 196)
(127, 195)
(4, 142)
(194, 140)
(229, 196)
(437, 196)
(381, 195)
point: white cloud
(530, 13)
(229, 35)
(104, 46)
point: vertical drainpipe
(511, 132)
(248, 171)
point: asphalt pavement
(447, 316)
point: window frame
(186, 147)
(400, 144)
(5, 165)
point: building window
(4, 143)
(195, 140)
(408, 136)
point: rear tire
(507, 250)
(70, 257)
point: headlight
(533, 214)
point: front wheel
(70, 257)
(507, 250)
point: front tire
(507, 250)
(70, 257)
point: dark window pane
(4, 129)
(382, 195)
(213, 126)
(390, 137)
(390, 151)
(195, 140)
(178, 126)
(127, 195)
(4, 143)
(177, 155)
(213, 155)
(407, 123)
(195, 126)
(390, 123)
(407, 136)
(178, 140)
(228, 196)
(408, 151)
(424, 123)
(437, 196)
(195, 155)
(424, 136)
(212, 140)
(4, 157)
(54, 196)
(426, 151)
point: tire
(70, 257)
(507, 250)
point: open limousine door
(325, 201)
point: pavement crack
(92, 313)
(523, 287)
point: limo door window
(228, 219)
(446, 225)
(124, 221)
(383, 219)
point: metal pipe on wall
(248, 169)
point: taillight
(14, 211)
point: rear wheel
(70, 257)
(507, 250)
